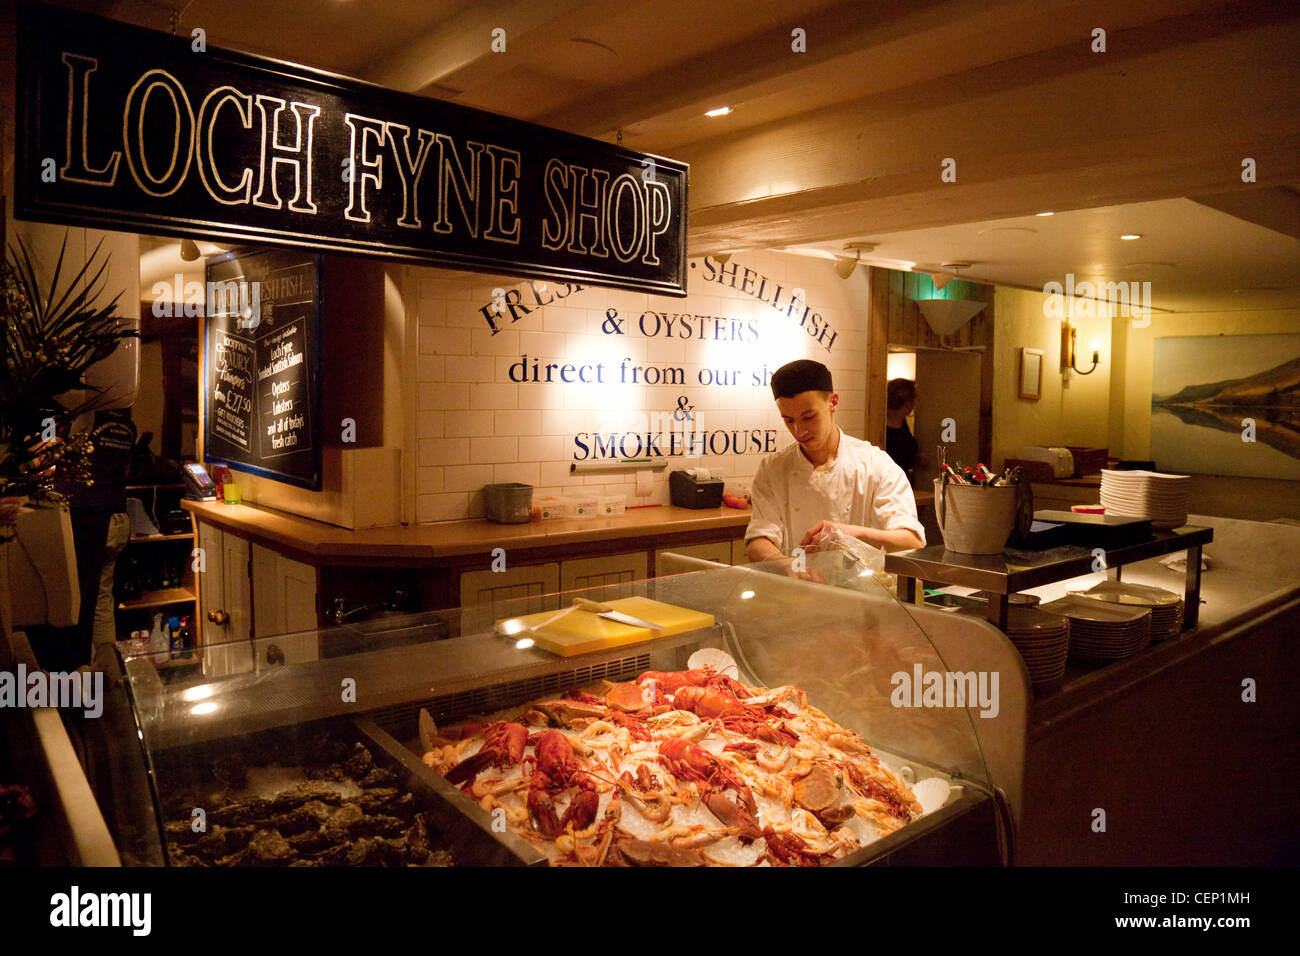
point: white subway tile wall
(518, 398)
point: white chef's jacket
(864, 487)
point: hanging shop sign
(129, 128)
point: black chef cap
(804, 375)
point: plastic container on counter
(584, 507)
(550, 508)
(610, 506)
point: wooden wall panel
(877, 348)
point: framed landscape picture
(1227, 405)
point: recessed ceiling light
(1044, 214)
(1131, 235)
(720, 111)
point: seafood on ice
(676, 768)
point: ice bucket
(975, 519)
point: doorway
(947, 409)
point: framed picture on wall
(1031, 374)
(1227, 405)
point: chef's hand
(900, 539)
(821, 526)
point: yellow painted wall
(1070, 412)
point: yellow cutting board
(581, 632)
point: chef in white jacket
(827, 478)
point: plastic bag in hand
(833, 539)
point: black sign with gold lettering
(261, 388)
(133, 129)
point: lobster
(690, 762)
(672, 681)
(556, 771)
(503, 745)
(710, 702)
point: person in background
(899, 442)
(827, 479)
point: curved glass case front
(306, 748)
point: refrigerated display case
(306, 749)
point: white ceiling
(843, 141)
(1196, 258)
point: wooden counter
(424, 544)
(325, 544)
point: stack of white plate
(1100, 631)
(1146, 494)
(1042, 639)
(1166, 606)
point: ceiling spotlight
(1041, 214)
(720, 111)
(946, 273)
(844, 266)
(189, 250)
(1131, 235)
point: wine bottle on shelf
(137, 578)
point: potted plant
(52, 334)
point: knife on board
(608, 612)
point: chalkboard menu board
(262, 368)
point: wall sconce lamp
(1069, 343)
